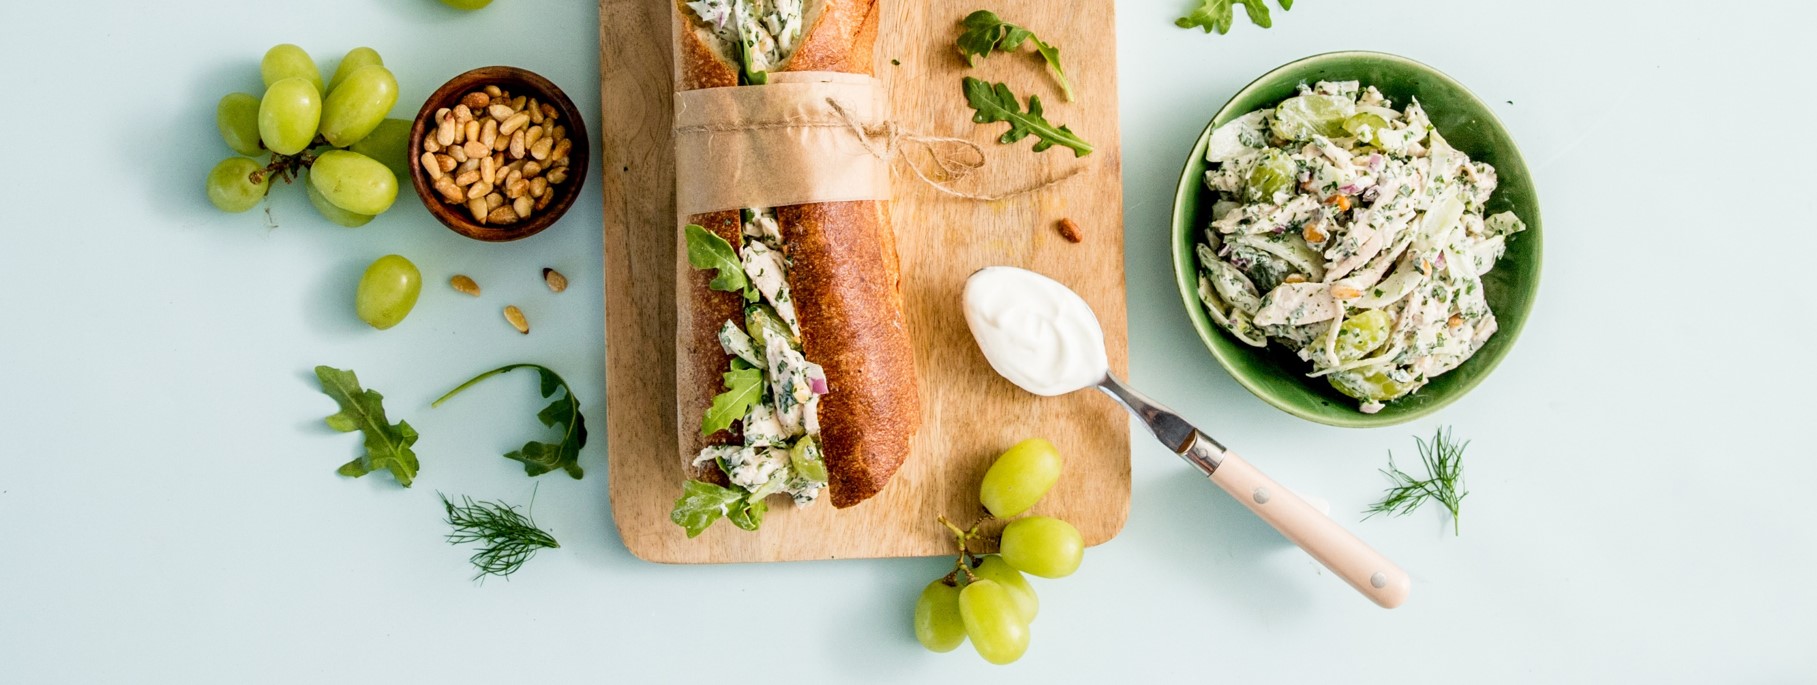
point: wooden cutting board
(969, 413)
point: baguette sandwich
(794, 368)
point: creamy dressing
(1035, 332)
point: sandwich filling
(756, 34)
(781, 450)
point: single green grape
(759, 316)
(1042, 545)
(231, 186)
(1303, 116)
(937, 622)
(387, 291)
(1375, 387)
(1020, 592)
(1273, 174)
(289, 61)
(466, 4)
(1362, 333)
(388, 144)
(359, 105)
(804, 457)
(992, 622)
(1020, 477)
(354, 182)
(355, 58)
(288, 116)
(1363, 125)
(331, 212)
(237, 115)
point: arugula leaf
(985, 32)
(542, 457)
(746, 513)
(702, 503)
(1220, 14)
(744, 387)
(387, 445)
(706, 250)
(995, 102)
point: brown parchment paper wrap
(778, 144)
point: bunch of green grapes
(335, 133)
(986, 599)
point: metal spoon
(1347, 556)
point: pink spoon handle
(1347, 556)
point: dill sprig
(510, 538)
(1444, 481)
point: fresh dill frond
(510, 538)
(1444, 481)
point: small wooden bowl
(518, 82)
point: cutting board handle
(1346, 555)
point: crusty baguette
(844, 280)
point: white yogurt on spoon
(1035, 332)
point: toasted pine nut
(488, 132)
(430, 166)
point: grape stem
(286, 167)
(966, 559)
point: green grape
(331, 212)
(354, 182)
(1273, 174)
(992, 622)
(1020, 477)
(387, 291)
(1301, 117)
(237, 115)
(1374, 387)
(1363, 125)
(358, 105)
(388, 144)
(288, 116)
(356, 58)
(230, 185)
(759, 316)
(937, 622)
(1362, 333)
(1020, 592)
(1042, 545)
(289, 61)
(466, 4)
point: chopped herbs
(995, 103)
(387, 445)
(1444, 481)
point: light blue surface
(1640, 473)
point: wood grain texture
(969, 414)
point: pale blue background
(1641, 469)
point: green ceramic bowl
(1274, 374)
